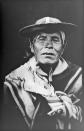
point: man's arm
(21, 98)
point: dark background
(19, 13)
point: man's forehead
(49, 34)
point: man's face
(47, 48)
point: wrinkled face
(47, 48)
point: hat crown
(47, 20)
(44, 24)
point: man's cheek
(58, 49)
(37, 54)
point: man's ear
(31, 47)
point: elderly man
(47, 90)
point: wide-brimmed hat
(48, 24)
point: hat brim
(68, 28)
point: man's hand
(57, 108)
(62, 105)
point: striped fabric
(30, 88)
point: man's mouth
(49, 54)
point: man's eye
(55, 39)
(42, 38)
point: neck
(48, 67)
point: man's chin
(48, 61)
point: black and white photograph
(42, 63)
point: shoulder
(23, 70)
(19, 72)
(20, 77)
(73, 67)
(74, 72)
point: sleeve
(12, 118)
(76, 93)
(22, 99)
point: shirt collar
(62, 66)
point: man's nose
(49, 44)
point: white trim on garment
(73, 78)
(17, 102)
(62, 66)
